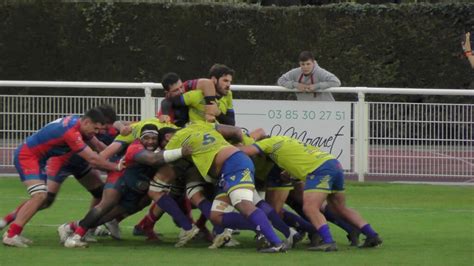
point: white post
(361, 129)
(147, 105)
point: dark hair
(149, 127)
(219, 70)
(169, 79)
(95, 115)
(109, 113)
(163, 131)
(305, 56)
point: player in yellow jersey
(324, 180)
(201, 105)
(231, 169)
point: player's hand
(164, 118)
(186, 150)
(126, 130)
(212, 109)
(121, 164)
(285, 176)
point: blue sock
(205, 207)
(368, 231)
(235, 220)
(261, 223)
(330, 216)
(325, 234)
(277, 222)
(297, 222)
(169, 205)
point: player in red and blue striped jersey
(55, 139)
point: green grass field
(420, 225)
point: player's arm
(114, 148)
(227, 118)
(211, 109)
(250, 150)
(164, 156)
(97, 161)
(165, 110)
(96, 144)
(258, 134)
(230, 132)
(177, 101)
(207, 87)
(123, 127)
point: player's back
(204, 140)
(290, 154)
(50, 141)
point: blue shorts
(275, 182)
(28, 165)
(237, 172)
(328, 178)
(59, 168)
(132, 190)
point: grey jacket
(322, 78)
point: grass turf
(420, 225)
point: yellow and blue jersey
(196, 102)
(296, 158)
(204, 140)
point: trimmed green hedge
(364, 45)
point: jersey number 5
(208, 139)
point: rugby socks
(368, 231)
(169, 205)
(14, 230)
(80, 231)
(205, 207)
(187, 207)
(274, 218)
(12, 215)
(298, 222)
(261, 223)
(150, 219)
(325, 234)
(73, 225)
(234, 220)
(330, 216)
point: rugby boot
(186, 236)
(101, 230)
(261, 242)
(232, 243)
(64, 232)
(372, 242)
(89, 236)
(14, 241)
(294, 238)
(326, 247)
(274, 249)
(25, 240)
(353, 238)
(221, 239)
(315, 239)
(75, 241)
(114, 229)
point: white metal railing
(448, 153)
